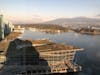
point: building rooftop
(41, 42)
(55, 47)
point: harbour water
(89, 59)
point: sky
(34, 11)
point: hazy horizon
(37, 11)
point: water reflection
(89, 59)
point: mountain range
(73, 20)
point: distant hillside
(71, 20)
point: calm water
(89, 58)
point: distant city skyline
(34, 11)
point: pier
(59, 57)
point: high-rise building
(5, 28)
(1, 27)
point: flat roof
(54, 47)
